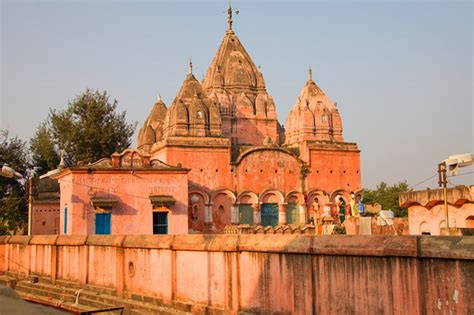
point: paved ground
(11, 303)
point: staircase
(72, 297)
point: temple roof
(232, 67)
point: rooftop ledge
(428, 198)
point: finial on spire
(310, 74)
(159, 97)
(229, 17)
(190, 67)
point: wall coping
(71, 240)
(105, 240)
(19, 239)
(443, 247)
(44, 239)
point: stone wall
(301, 274)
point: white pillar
(282, 213)
(257, 217)
(208, 213)
(235, 214)
(302, 213)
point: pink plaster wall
(133, 212)
(432, 220)
(265, 273)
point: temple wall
(269, 169)
(333, 170)
(210, 167)
(262, 273)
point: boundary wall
(286, 274)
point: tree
(43, 151)
(87, 130)
(387, 197)
(13, 204)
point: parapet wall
(297, 274)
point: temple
(245, 167)
(217, 156)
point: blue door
(102, 223)
(269, 214)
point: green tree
(13, 203)
(44, 153)
(88, 129)
(387, 197)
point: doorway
(269, 214)
(102, 223)
(246, 214)
(292, 213)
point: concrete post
(257, 217)
(282, 213)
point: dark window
(160, 222)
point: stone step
(43, 291)
(88, 297)
(135, 306)
(55, 288)
(94, 303)
(8, 281)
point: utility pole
(30, 203)
(442, 181)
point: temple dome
(192, 113)
(313, 117)
(152, 129)
(232, 68)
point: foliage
(304, 170)
(13, 206)
(44, 153)
(89, 128)
(387, 197)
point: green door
(246, 214)
(269, 214)
(292, 213)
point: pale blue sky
(401, 72)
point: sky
(401, 72)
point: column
(257, 217)
(208, 213)
(302, 213)
(282, 214)
(234, 214)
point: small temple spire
(190, 71)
